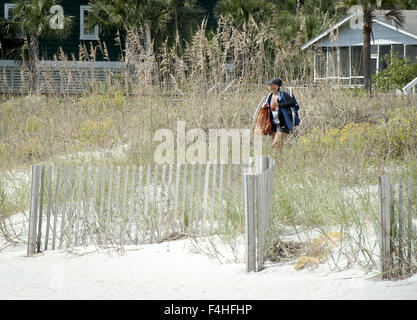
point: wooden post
(258, 191)
(385, 189)
(31, 209)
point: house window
(344, 62)
(384, 52)
(332, 62)
(8, 14)
(8, 10)
(357, 68)
(411, 53)
(321, 58)
(87, 32)
(399, 50)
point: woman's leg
(282, 137)
(278, 140)
(274, 136)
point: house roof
(410, 23)
(409, 27)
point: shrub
(396, 75)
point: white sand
(171, 271)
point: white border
(82, 35)
(7, 7)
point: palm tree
(185, 15)
(239, 12)
(31, 20)
(130, 16)
(369, 8)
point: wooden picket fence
(398, 235)
(258, 193)
(71, 206)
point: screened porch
(343, 65)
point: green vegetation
(397, 74)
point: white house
(338, 50)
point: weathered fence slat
(64, 207)
(70, 225)
(140, 198)
(79, 204)
(92, 225)
(147, 189)
(39, 235)
(154, 207)
(48, 214)
(410, 220)
(58, 174)
(116, 212)
(122, 219)
(86, 220)
(220, 192)
(199, 205)
(161, 203)
(177, 190)
(131, 203)
(184, 197)
(109, 204)
(191, 200)
(400, 222)
(213, 197)
(205, 203)
(100, 224)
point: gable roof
(409, 27)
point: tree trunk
(300, 3)
(148, 37)
(33, 48)
(366, 55)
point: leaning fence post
(250, 181)
(30, 210)
(33, 212)
(258, 190)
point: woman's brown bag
(263, 123)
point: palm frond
(396, 16)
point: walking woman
(280, 103)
